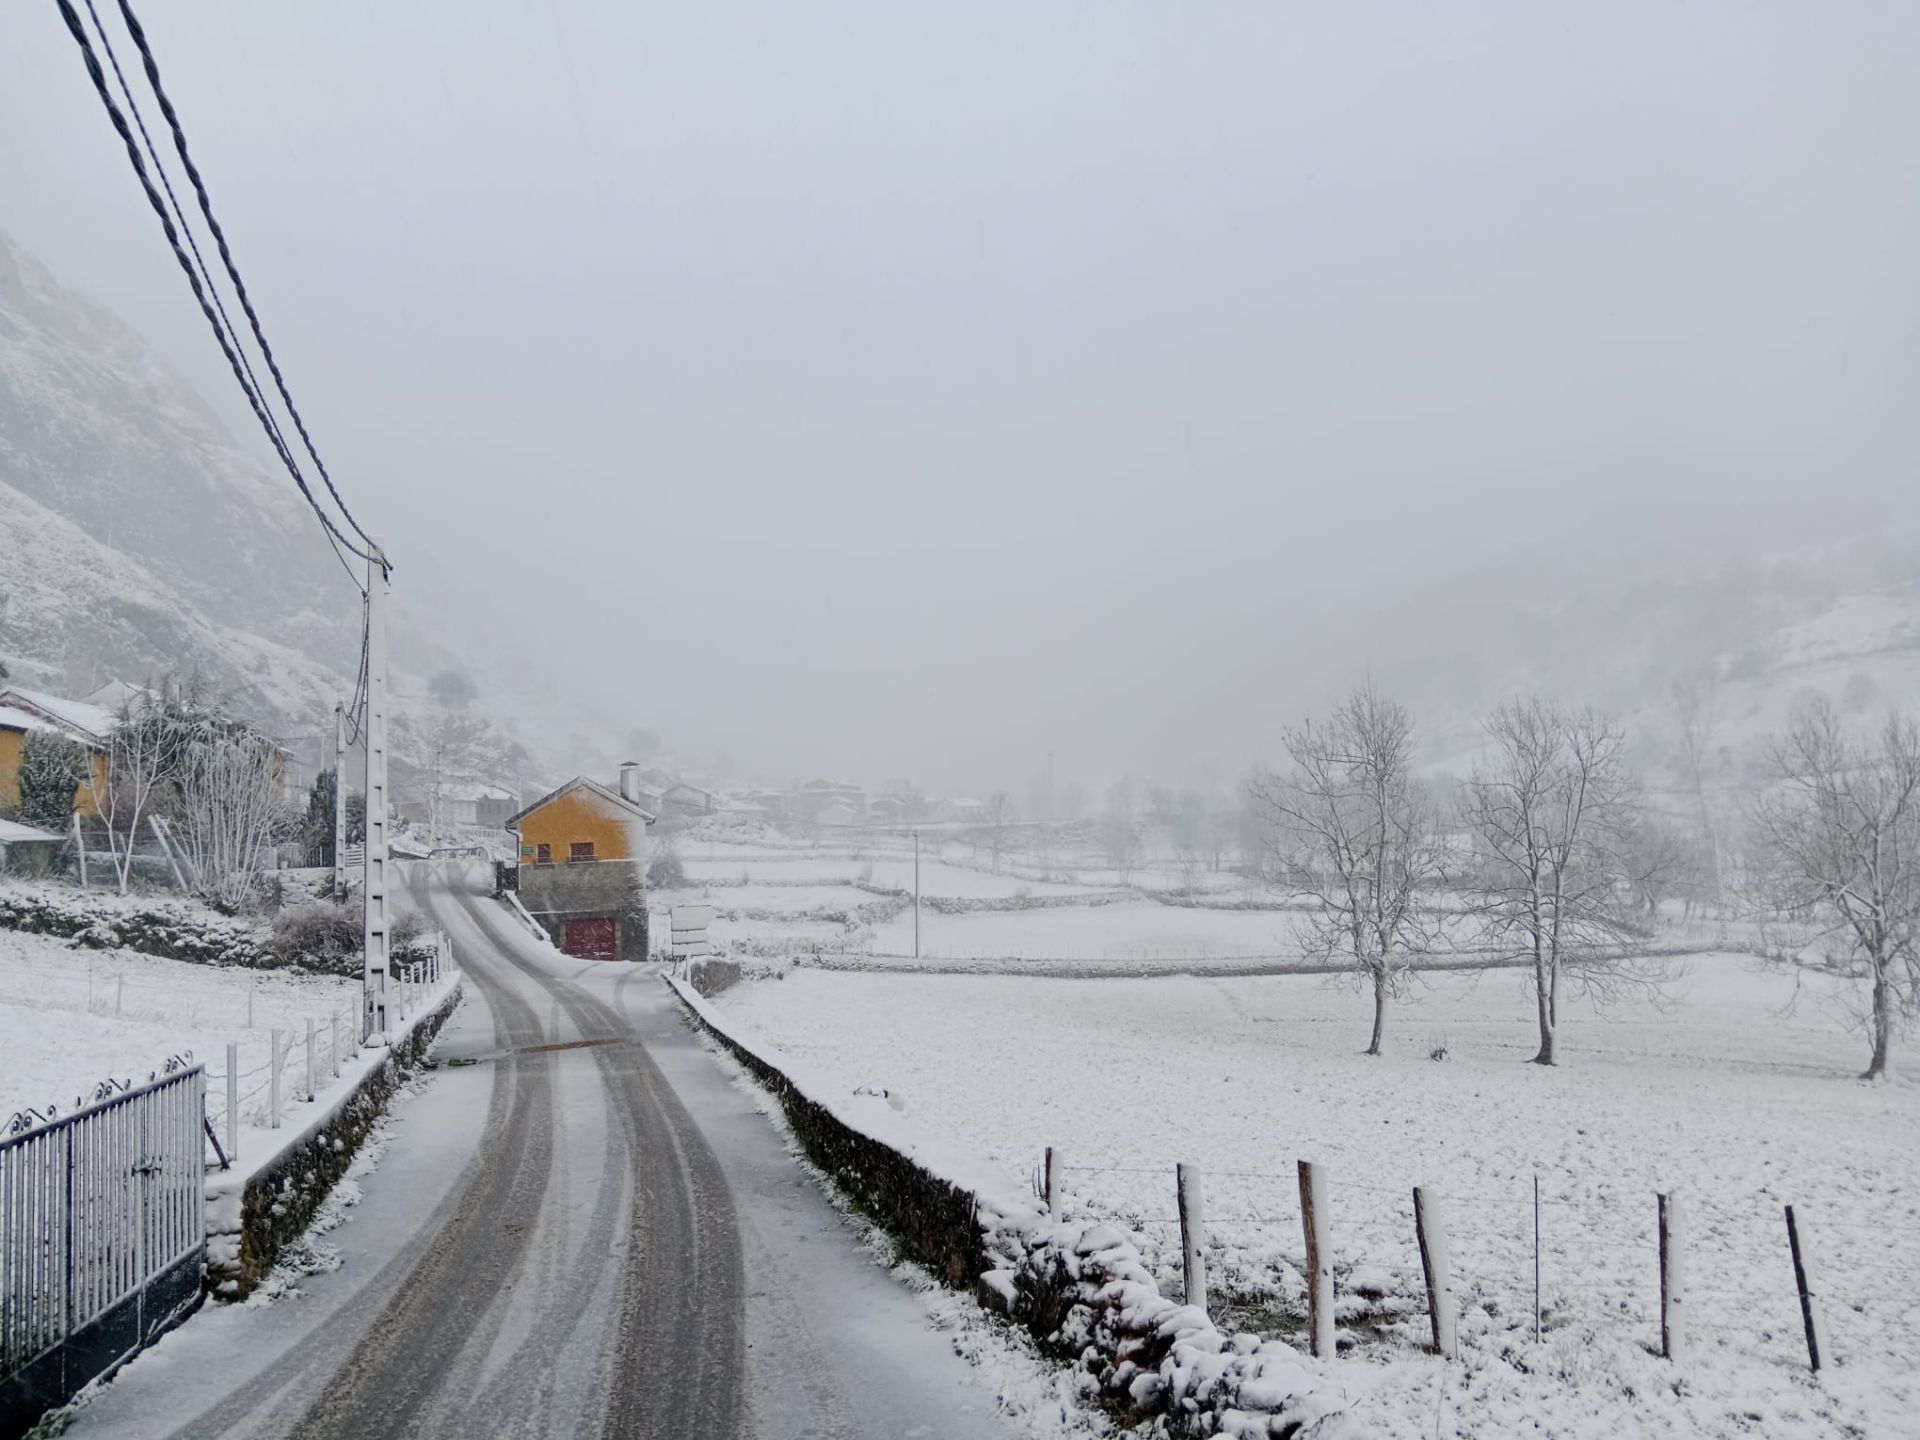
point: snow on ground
(1137, 930)
(70, 1018)
(1734, 1088)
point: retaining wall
(253, 1212)
(1080, 1289)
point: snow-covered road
(569, 1239)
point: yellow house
(582, 872)
(24, 711)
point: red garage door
(592, 939)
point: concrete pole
(339, 800)
(916, 894)
(373, 885)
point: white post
(80, 848)
(1193, 1233)
(1056, 1174)
(333, 1043)
(916, 894)
(374, 880)
(273, 1082)
(1314, 1220)
(339, 800)
(119, 992)
(166, 849)
(310, 1086)
(233, 1101)
(1430, 1226)
(1673, 1290)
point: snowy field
(1735, 1089)
(71, 1018)
(1140, 929)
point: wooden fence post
(1673, 1282)
(1817, 1352)
(273, 1081)
(1430, 1225)
(1193, 1232)
(1053, 1178)
(1314, 1220)
(1536, 1259)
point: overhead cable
(98, 76)
(139, 34)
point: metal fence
(102, 1236)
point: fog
(912, 390)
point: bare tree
(231, 811)
(1362, 831)
(999, 826)
(1695, 705)
(1187, 829)
(143, 756)
(1120, 838)
(1554, 810)
(1839, 836)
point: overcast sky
(898, 388)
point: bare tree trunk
(1543, 987)
(1878, 1067)
(1379, 1009)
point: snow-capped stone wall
(1081, 1289)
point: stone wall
(250, 1220)
(553, 894)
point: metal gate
(102, 1237)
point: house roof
(476, 790)
(12, 832)
(580, 782)
(88, 722)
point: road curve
(627, 1249)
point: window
(546, 855)
(581, 850)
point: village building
(582, 867)
(24, 711)
(805, 802)
(688, 802)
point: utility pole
(374, 732)
(916, 893)
(340, 801)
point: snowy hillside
(1756, 635)
(140, 538)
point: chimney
(630, 780)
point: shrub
(665, 871)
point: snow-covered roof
(476, 790)
(12, 831)
(12, 717)
(90, 721)
(579, 781)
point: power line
(139, 34)
(186, 230)
(98, 76)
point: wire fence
(1520, 1262)
(285, 1046)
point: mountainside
(1750, 638)
(140, 539)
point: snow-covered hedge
(171, 929)
(1081, 1289)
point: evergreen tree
(52, 768)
